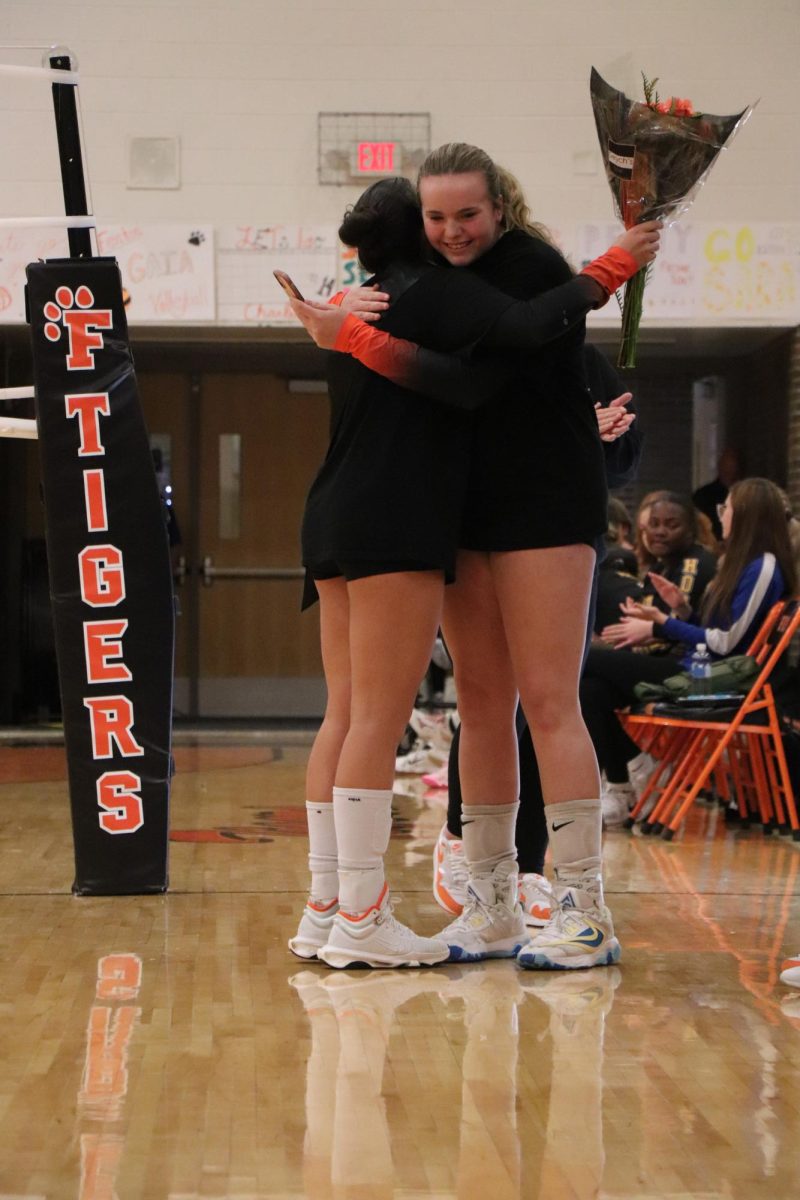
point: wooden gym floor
(171, 1047)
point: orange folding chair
(739, 750)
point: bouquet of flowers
(657, 154)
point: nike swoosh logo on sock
(555, 828)
(463, 823)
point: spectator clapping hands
(613, 420)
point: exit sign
(377, 158)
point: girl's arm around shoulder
(476, 312)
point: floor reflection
(487, 1002)
(348, 1143)
(573, 1155)
(356, 1126)
(757, 940)
(104, 1086)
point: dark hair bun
(358, 223)
(384, 225)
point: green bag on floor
(730, 676)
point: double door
(235, 454)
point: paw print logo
(197, 237)
(75, 312)
(64, 299)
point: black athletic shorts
(351, 571)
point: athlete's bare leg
(334, 625)
(323, 857)
(390, 623)
(544, 599)
(487, 693)
(393, 623)
(491, 924)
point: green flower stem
(631, 316)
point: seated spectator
(617, 582)
(620, 524)
(670, 539)
(644, 555)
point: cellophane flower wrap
(657, 155)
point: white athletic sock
(323, 859)
(488, 832)
(363, 819)
(575, 829)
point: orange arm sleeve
(612, 269)
(387, 355)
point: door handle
(208, 572)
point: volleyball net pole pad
(107, 551)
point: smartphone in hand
(288, 285)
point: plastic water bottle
(700, 670)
